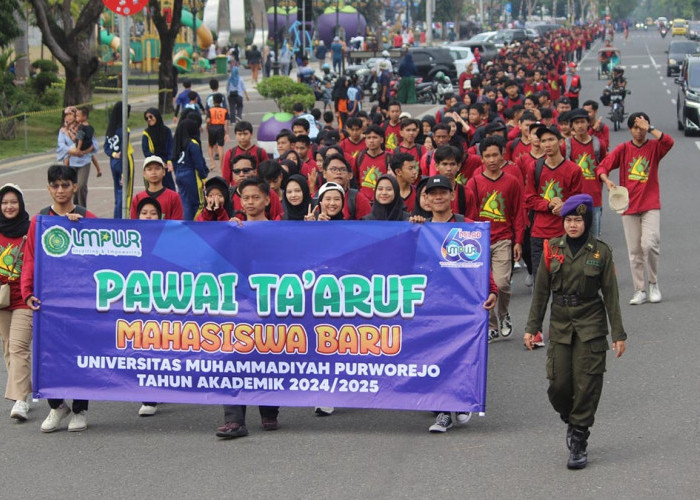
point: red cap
(572, 65)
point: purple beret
(578, 204)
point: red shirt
(410, 201)
(562, 181)
(259, 154)
(416, 151)
(371, 168)
(509, 168)
(470, 165)
(219, 215)
(9, 248)
(583, 155)
(499, 202)
(392, 135)
(603, 135)
(27, 279)
(352, 148)
(169, 201)
(273, 210)
(362, 206)
(515, 150)
(639, 171)
(525, 162)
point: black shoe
(569, 432)
(231, 430)
(578, 457)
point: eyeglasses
(239, 171)
(336, 170)
(64, 185)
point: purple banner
(349, 314)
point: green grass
(42, 131)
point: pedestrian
(388, 205)
(296, 198)
(638, 161)
(407, 85)
(576, 268)
(62, 185)
(236, 90)
(157, 141)
(243, 131)
(571, 83)
(154, 170)
(218, 206)
(113, 148)
(68, 151)
(15, 315)
(190, 168)
(217, 129)
(405, 170)
(337, 55)
(254, 59)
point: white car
(486, 36)
(462, 56)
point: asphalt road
(645, 443)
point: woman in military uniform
(575, 269)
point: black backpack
(77, 210)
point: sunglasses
(239, 171)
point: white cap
(153, 159)
(330, 186)
(385, 53)
(619, 199)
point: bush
(45, 66)
(287, 102)
(279, 87)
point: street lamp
(193, 8)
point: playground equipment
(351, 22)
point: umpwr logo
(461, 249)
(57, 241)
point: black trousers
(236, 413)
(78, 404)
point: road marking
(664, 83)
(697, 144)
(634, 66)
(669, 91)
(673, 101)
(651, 57)
(646, 66)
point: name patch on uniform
(595, 263)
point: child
(218, 206)
(327, 94)
(244, 137)
(63, 183)
(168, 200)
(84, 136)
(183, 98)
(217, 128)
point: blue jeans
(595, 226)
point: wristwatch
(651, 128)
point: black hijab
(417, 209)
(297, 212)
(220, 184)
(19, 225)
(158, 133)
(392, 211)
(184, 133)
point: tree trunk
(79, 73)
(165, 75)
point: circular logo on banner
(56, 241)
(125, 7)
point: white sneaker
(528, 280)
(53, 421)
(324, 411)
(147, 410)
(78, 422)
(463, 417)
(19, 411)
(442, 422)
(654, 293)
(639, 298)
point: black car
(688, 102)
(677, 52)
(430, 60)
(513, 35)
(693, 30)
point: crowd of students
(508, 150)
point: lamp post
(275, 45)
(194, 27)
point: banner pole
(124, 34)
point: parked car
(462, 57)
(677, 51)
(482, 37)
(513, 35)
(487, 50)
(430, 60)
(688, 102)
(532, 34)
(693, 30)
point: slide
(107, 38)
(204, 36)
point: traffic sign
(125, 7)
(508, 8)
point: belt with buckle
(566, 300)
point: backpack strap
(596, 149)
(514, 145)
(352, 203)
(538, 172)
(459, 218)
(461, 199)
(45, 211)
(567, 144)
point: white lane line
(669, 91)
(664, 83)
(646, 66)
(697, 144)
(673, 101)
(650, 56)
(634, 66)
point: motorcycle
(616, 99)
(663, 32)
(426, 92)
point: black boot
(578, 457)
(569, 432)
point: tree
(8, 21)
(167, 45)
(72, 42)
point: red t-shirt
(370, 169)
(509, 168)
(583, 155)
(219, 215)
(169, 201)
(639, 171)
(603, 135)
(410, 201)
(362, 206)
(499, 202)
(259, 154)
(515, 150)
(27, 279)
(416, 151)
(392, 135)
(563, 181)
(9, 248)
